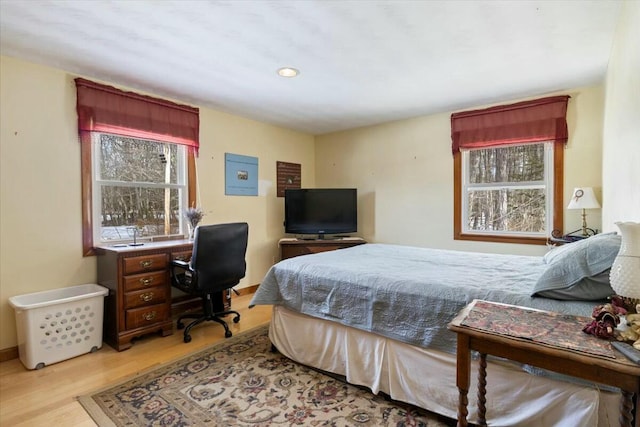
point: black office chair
(217, 264)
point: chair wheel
(180, 325)
(236, 319)
(227, 334)
(187, 338)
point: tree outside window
(506, 190)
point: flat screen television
(321, 211)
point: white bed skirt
(427, 378)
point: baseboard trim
(246, 291)
(11, 353)
(7, 354)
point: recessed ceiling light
(288, 72)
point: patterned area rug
(240, 382)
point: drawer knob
(181, 257)
(146, 281)
(149, 316)
(147, 296)
(146, 263)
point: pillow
(558, 251)
(579, 271)
(592, 288)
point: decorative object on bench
(217, 265)
(606, 318)
(630, 331)
(625, 272)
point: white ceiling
(361, 62)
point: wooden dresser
(292, 247)
(140, 297)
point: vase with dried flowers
(194, 216)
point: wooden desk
(618, 372)
(141, 299)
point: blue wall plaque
(241, 175)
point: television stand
(322, 237)
(292, 247)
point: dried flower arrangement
(194, 215)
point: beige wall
(404, 173)
(40, 214)
(621, 146)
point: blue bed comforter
(406, 293)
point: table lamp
(583, 198)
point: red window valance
(524, 122)
(106, 109)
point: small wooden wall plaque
(288, 176)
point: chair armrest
(182, 276)
(180, 263)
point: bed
(377, 314)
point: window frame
(87, 178)
(557, 204)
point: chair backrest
(219, 255)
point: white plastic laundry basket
(59, 324)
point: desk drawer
(144, 297)
(139, 264)
(144, 281)
(145, 316)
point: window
(508, 194)
(138, 164)
(508, 190)
(140, 188)
(508, 171)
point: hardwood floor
(48, 396)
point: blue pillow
(559, 251)
(579, 271)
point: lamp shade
(583, 198)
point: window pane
(124, 208)
(507, 210)
(518, 163)
(137, 160)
